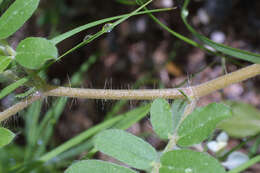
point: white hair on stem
(140, 94)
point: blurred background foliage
(136, 54)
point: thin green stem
(171, 143)
(70, 33)
(96, 35)
(183, 38)
(237, 147)
(253, 150)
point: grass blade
(236, 53)
(70, 33)
(10, 88)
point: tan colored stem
(141, 94)
(228, 79)
(19, 106)
(149, 94)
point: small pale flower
(235, 159)
(219, 144)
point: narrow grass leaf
(26, 167)
(162, 118)
(126, 2)
(244, 122)
(4, 62)
(10, 88)
(129, 119)
(133, 116)
(114, 24)
(6, 136)
(189, 161)
(236, 53)
(80, 138)
(70, 33)
(33, 52)
(31, 129)
(31, 122)
(201, 123)
(97, 166)
(126, 148)
(47, 124)
(108, 27)
(16, 15)
(26, 93)
(78, 77)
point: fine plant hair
(148, 94)
(177, 121)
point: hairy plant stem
(196, 91)
(19, 106)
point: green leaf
(201, 123)
(6, 136)
(16, 15)
(33, 52)
(4, 62)
(189, 161)
(161, 118)
(236, 53)
(244, 122)
(10, 88)
(126, 148)
(178, 107)
(97, 166)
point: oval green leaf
(16, 15)
(4, 62)
(201, 123)
(6, 136)
(189, 161)
(33, 52)
(161, 118)
(244, 122)
(126, 148)
(97, 166)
